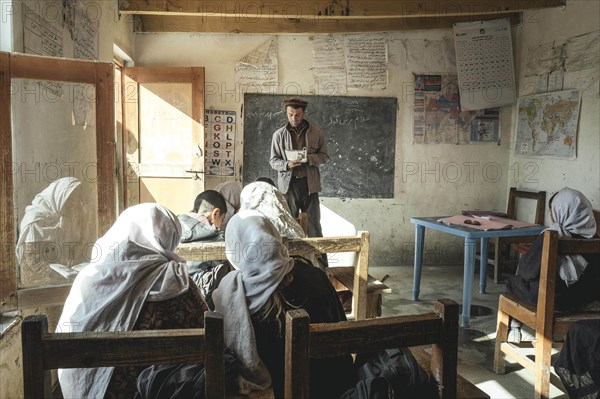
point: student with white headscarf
(43, 227)
(270, 202)
(577, 283)
(134, 281)
(253, 299)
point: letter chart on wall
(219, 143)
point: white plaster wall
(112, 27)
(430, 179)
(583, 173)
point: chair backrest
(304, 341)
(540, 197)
(44, 351)
(553, 246)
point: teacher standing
(300, 181)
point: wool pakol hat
(295, 102)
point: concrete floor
(476, 346)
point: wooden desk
(471, 236)
(358, 284)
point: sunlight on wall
(334, 225)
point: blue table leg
(483, 264)
(419, 243)
(470, 246)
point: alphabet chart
(486, 76)
(219, 137)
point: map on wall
(547, 124)
(438, 117)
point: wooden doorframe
(25, 66)
(132, 77)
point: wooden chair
(549, 326)
(500, 247)
(44, 351)
(304, 341)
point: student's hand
(292, 164)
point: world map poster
(547, 124)
(438, 117)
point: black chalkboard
(360, 134)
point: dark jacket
(525, 284)
(311, 290)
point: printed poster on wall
(220, 142)
(485, 64)
(439, 117)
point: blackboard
(360, 134)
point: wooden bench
(44, 351)
(439, 329)
(366, 290)
(549, 326)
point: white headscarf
(253, 246)
(132, 263)
(572, 214)
(230, 190)
(271, 203)
(42, 220)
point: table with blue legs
(471, 236)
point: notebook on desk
(484, 222)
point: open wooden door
(57, 145)
(164, 135)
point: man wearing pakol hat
(298, 176)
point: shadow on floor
(476, 343)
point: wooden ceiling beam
(360, 9)
(163, 23)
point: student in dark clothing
(577, 282)
(578, 364)
(254, 298)
(578, 275)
